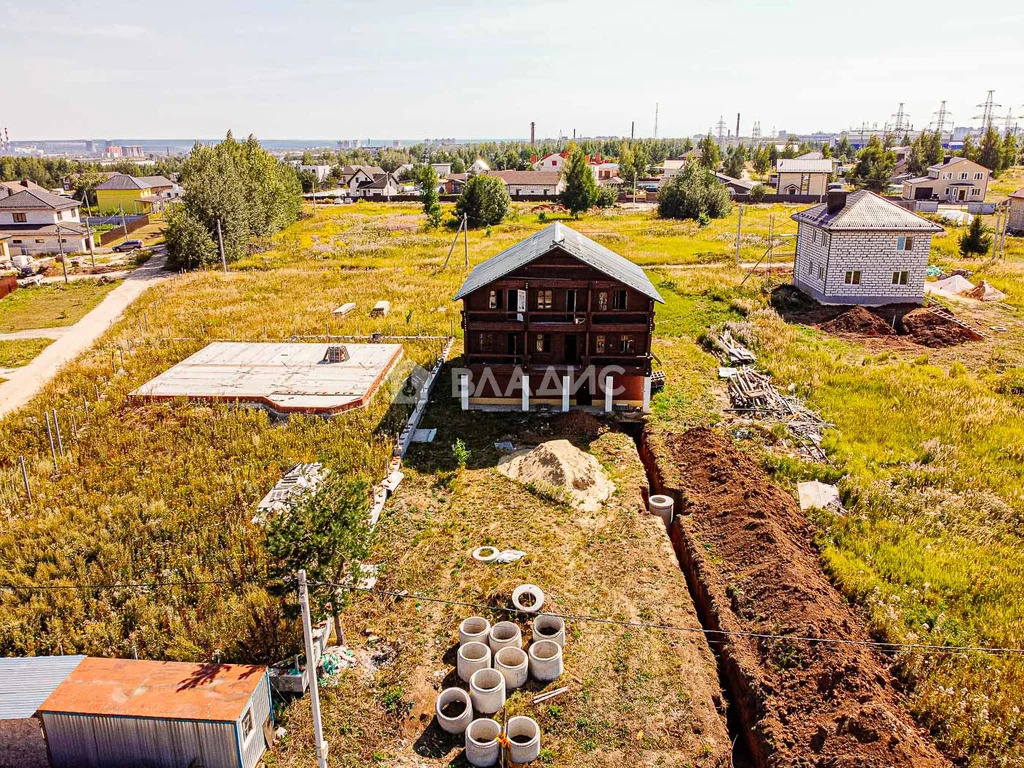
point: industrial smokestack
(533, 136)
(737, 125)
(632, 129)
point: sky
(485, 69)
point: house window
(602, 300)
(626, 344)
(247, 728)
(16, 242)
(494, 300)
(619, 300)
(852, 277)
(599, 343)
(20, 218)
(543, 343)
(821, 273)
(963, 176)
(40, 240)
(947, 175)
(900, 278)
(544, 299)
(904, 243)
(977, 177)
(824, 239)
(486, 342)
(810, 268)
(975, 191)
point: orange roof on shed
(157, 689)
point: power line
(140, 584)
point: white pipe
(482, 748)
(513, 665)
(535, 594)
(607, 394)
(663, 507)
(546, 661)
(504, 634)
(487, 691)
(566, 383)
(460, 721)
(548, 627)
(472, 656)
(524, 735)
(526, 393)
(474, 629)
(647, 392)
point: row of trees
(241, 186)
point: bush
(758, 193)
(189, 244)
(606, 197)
(484, 201)
(694, 193)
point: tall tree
(710, 154)
(990, 152)
(428, 196)
(735, 161)
(580, 191)
(762, 160)
(874, 166)
(627, 166)
(189, 244)
(969, 149)
(1008, 152)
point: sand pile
(858, 320)
(560, 467)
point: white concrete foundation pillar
(608, 394)
(565, 392)
(647, 394)
(526, 393)
(464, 390)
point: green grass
(18, 352)
(51, 305)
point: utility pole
(88, 226)
(220, 244)
(739, 232)
(465, 237)
(314, 688)
(63, 261)
(314, 194)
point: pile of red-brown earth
(748, 553)
(931, 330)
(860, 321)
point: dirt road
(23, 383)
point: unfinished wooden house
(560, 321)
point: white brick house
(862, 249)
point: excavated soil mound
(860, 321)
(931, 330)
(559, 466)
(576, 424)
(748, 552)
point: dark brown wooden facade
(557, 312)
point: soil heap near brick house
(748, 553)
(931, 330)
(860, 321)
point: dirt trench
(751, 566)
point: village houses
(35, 222)
(957, 180)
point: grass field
(51, 305)
(928, 443)
(18, 352)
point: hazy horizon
(462, 69)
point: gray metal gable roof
(570, 241)
(865, 210)
(26, 682)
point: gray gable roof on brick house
(865, 210)
(569, 241)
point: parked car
(128, 245)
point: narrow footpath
(23, 383)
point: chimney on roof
(25, 183)
(836, 201)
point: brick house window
(543, 342)
(852, 277)
(602, 301)
(486, 342)
(599, 343)
(619, 300)
(20, 218)
(544, 299)
(821, 273)
(824, 239)
(810, 267)
(904, 244)
(900, 278)
(626, 344)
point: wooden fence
(118, 232)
